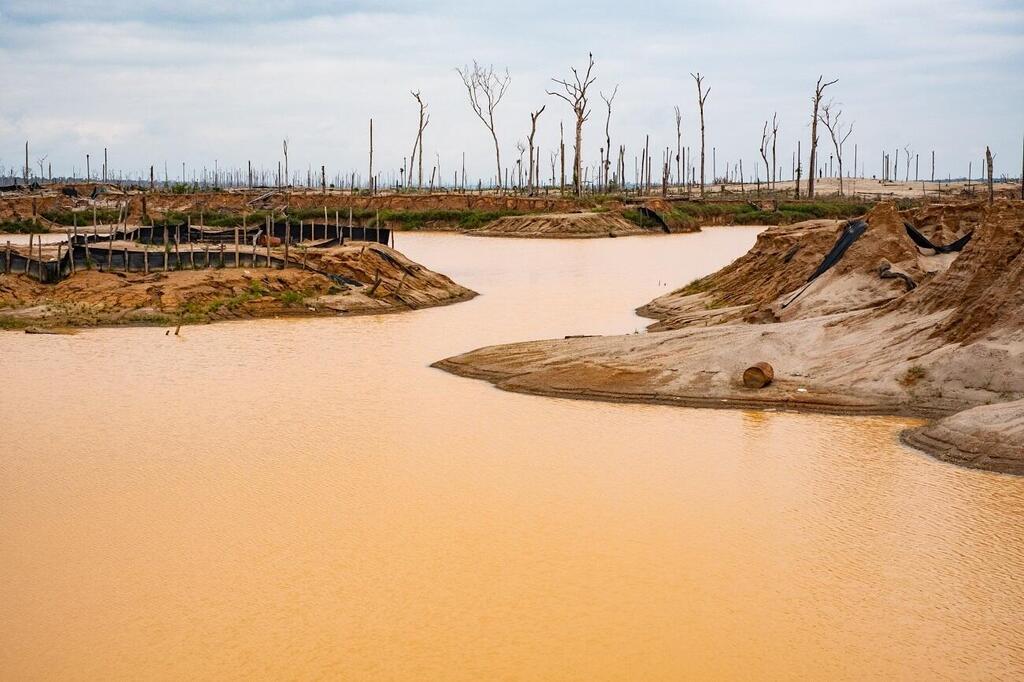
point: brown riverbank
(377, 279)
(563, 226)
(857, 341)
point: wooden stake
(287, 238)
(71, 251)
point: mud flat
(890, 329)
(357, 278)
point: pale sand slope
(986, 437)
(854, 343)
(561, 225)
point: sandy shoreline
(367, 279)
(944, 336)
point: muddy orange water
(287, 499)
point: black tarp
(851, 233)
(925, 243)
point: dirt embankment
(385, 281)
(563, 226)
(158, 203)
(858, 340)
(985, 437)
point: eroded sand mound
(986, 437)
(380, 280)
(859, 339)
(562, 225)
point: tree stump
(758, 376)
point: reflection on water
(306, 498)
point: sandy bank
(382, 280)
(985, 437)
(562, 226)
(944, 334)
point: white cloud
(194, 81)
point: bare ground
(855, 342)
(386, 281)
(562, 226)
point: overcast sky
(190, 81)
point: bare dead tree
(906, 150)
(818, 90)
(417, 145)
(485, 89)
(702, 97)
(679, 144)
(369, 179)
(607, 132)
(521, 148)
(575, 96)
(561, 153)
(831, 118)
(775, 138)
(284, 144)
(533, 131)
(765, 142)
(988, 166)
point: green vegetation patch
(21, 227)
(63, 216)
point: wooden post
(177, 251)
(145, 256)
(188, 237)
(167, 245)
(206, 249)
(71, 251)
(287, 238)
(337, 227)
(325, 222)
(988, 166)
(270, 223)
(222, 254)
(110, 248)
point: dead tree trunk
(417, 147)
(608, 135)
(485, 89)
(561, 151)
(834, 124)
(284, 144)
(988, 167)
(575, 96)
(818, 90)
(702, 97)
(764, 154)
(679, 144)
(775, 137)
(533, 131)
